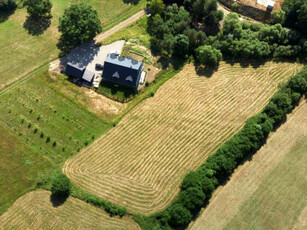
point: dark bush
(60, 186)
(192, 198)
(179, 215)
(298, 84)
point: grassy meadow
(25, 46)
(268, 192)
(48, 128)
(19, 168)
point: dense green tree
(60, 186)
(6, 5)
(38, 8)
(298, 84)
(157, 27)
(179, 215)
(278, 17)
(302, 18)
(156, 7)
(197, 38)
(79, 24)
(192, 198)
(181, 46)
(208, 55)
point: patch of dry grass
(35, 211)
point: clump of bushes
(197, 186)
(113, 210)
(61, 186)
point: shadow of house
(37, 26)
(83, 54)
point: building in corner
(122, 71)
(77, 70)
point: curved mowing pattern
(140, 163)
(35, 211)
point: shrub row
(197, 186)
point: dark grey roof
(122, 71)
(127, 62)
(74, 69)
(88, 76)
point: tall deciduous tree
(38, 8)
(207, 55)
(79, 24)
(156, 7)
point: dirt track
(119, 26)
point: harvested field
(141, 162)
(35, 211)
(268, 192)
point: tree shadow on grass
(37, 26)
(133, 2)
(4, 15)
(57, 200)
(204, 71)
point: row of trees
(254, 40)
(197, 186)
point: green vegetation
(20, 166)
(38, 8)
(7, 5)
(78, 24)
(207, 55)
(134, 30)
(52, 126)
(61, 186)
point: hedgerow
(197, 186)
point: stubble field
(268, 192)
(35, 211)
(140, 163)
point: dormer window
(129, 78)
(116, 75)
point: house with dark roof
(122, 71)
(79, 71)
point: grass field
(35, 211)
(268, 192)
(47, 128)
(19, 168)
(140, 163)
(22, 52)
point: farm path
(133, 18)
